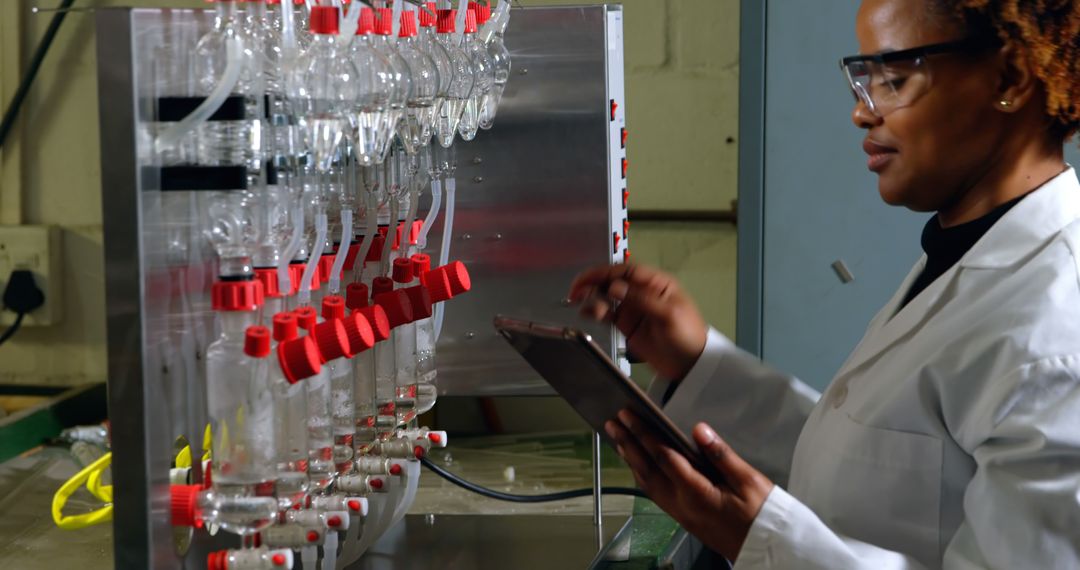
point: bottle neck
(235, 323)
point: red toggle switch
(625, 227)
(615, 238)
(625, 197)
(614, 107)
(623, 135)
(626, 256)
(625, 166)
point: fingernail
(708, 433)
(609, 427)
(619, 450)
(624, 417)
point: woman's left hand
(719, 514)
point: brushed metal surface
(540, 214)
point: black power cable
(22, 296)
(497, 495)
(35, 65)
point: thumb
(737, 473)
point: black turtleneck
(945, 246)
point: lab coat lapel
(1022, 230)
(892, 326)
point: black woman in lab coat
(951, 436)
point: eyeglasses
(889, 81)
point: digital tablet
(595, 387)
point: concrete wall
(682, 71)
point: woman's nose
(863, 117)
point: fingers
(601, 278)
(675, 466)
(737, 473)
(648, 477)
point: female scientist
(951, 436)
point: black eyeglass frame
(972, 44)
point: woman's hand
(661, 324)
(719, 514)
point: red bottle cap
(286, 327)
(377, 244)
(421, 264)
(384, 21)
(350, 258)
(420, 299)
(446, 21)
(306, 317)
(326, 267)
(257, 342)
(428, 17)
(397, 306)
(217, 560)
(269, 279)
(299, 359)
(361, 335)
(333, 307)
(408, 24)
(470, 21)
(438, 285)
(458, 276)
(403, 270)
(296, 275)
(367, 22)
(380, 323)
(246, 295)
(324, 20)
(381, 285)
(183, 502)
(483, 13)
(356, 296)
(332, 339)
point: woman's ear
(1017, 83)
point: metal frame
(751, 206)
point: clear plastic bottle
(484, 77)
(370, 115)
(416, 128)
(405, 347)
(500, 56)
(241, 413)
(341, 380)
(365, 411)
(322, 89)
(398, 310)
(384, 29)
(461, 86)
(297, 359)
(229, 143)
(426, 371)
(320, 433)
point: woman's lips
(880, 155)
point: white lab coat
(950, 437)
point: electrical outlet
(37, 249)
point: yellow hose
(91, 477)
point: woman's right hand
(661, 323)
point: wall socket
(37, 249)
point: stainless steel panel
(532, 200)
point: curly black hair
(1050, 29)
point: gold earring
(1005, 104)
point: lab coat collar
(1022, 230)
(1033, 221)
